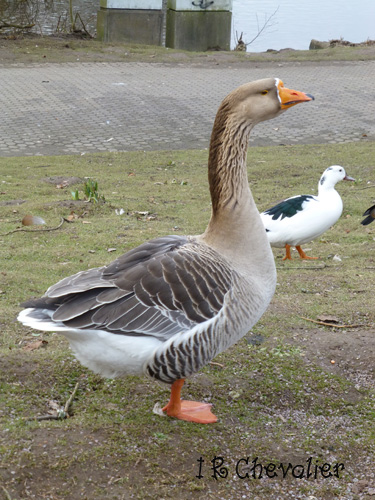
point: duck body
(300, 219)
(370, 212)
(169, 306)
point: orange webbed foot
(190, 411)
(303, 255)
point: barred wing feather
(163, 287)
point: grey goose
(169, 306)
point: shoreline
(30, 48)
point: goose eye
(264, 92)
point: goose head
(262, 100)
(332, 175)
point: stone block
(198, 30)
(133, 21)
(316, 45)
(197, 5)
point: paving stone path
(71, 108)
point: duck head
(332, 175)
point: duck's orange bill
(289, 97)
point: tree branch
(4, 24)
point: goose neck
(235, 228)
(227, 172)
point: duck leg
(288, 255)
(191, 411)
(303, 255)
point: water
(297, 22)
(293, 23)
(54, 15)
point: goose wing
(165, 286)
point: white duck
(169, 306)
(300, 219)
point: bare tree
(268, 22)
(22, 15)
(18, 14)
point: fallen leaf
(158, 410)
(86, 222)
(62, 185)
(71, 217)
(54, 405)
(328, 319)
(111, 249)
(37, 344)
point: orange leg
(190, 411)
(303, 255)
(287, 252)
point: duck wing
(370, 212)
(289, 207)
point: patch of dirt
(352, 350)
(60, 180)
(50, 466)
(11, 202)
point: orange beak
(289, 97)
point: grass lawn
(291, 392)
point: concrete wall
(134, 21)
(190, 25)
(198, 30)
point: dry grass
(59, 49)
